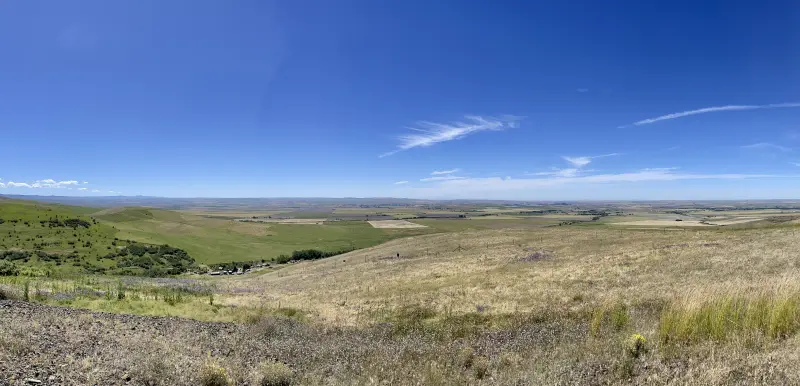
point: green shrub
(8, 268)
(272, 373)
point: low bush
(272, 373)
(212, 374)
(8, 268)
(480, 367)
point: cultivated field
(214, 240)
(395, 224)
(664, 223)
(306, 221)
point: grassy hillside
(27, 227)
(207, 239)
(41, 239)
(215, 240)
(574, 268)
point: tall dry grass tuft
(213, 374)
(612, 316)
(769, 313)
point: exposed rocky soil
(63, 346)
(46, 345)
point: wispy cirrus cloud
(765, 146)
(442, 178)
(571, 172)
(430, 133)
(710, 110)
(401, 182)
(440, 172)
(580, 162)
(577, 165)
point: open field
(691, 223)
(505, 299)
(456, 272)
(306, 221)
(663, 223)
(551, 305)
(216, 240)
(393, 224)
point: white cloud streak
(578, 161)
(571, 172)
(430, 133)
(765, 146)
(710, 110)
(48, 183)
(401, 182)
(440, 172)
(13, 184)
(442, 178)
(462, 186)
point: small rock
(33, 381)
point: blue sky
(424, 99)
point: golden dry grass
(557, 305)
(663, 223)
(454, 273)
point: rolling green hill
(216, 240)
(40, 239)
(52, 237)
